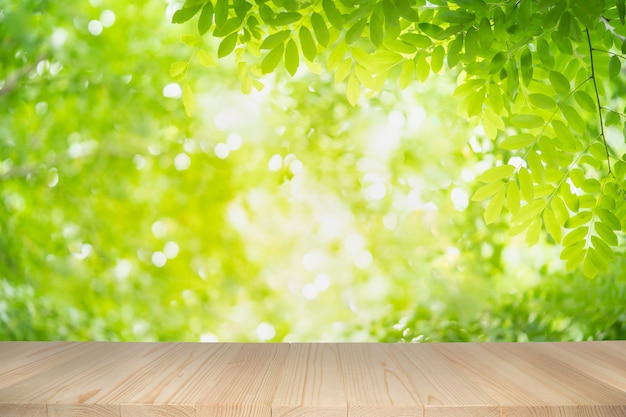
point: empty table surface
(102, 379)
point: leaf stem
(595, 87)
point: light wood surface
(103, 379)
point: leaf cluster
(541, 76)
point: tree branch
(595, 87)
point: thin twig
(595, 87)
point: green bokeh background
(286, 215)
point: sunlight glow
(265, 331)
(107, 17)
(159, 259)
(221, 150)
(95, 27)
(275, 163)
(172, 90)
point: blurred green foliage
(286, 215)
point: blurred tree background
(283, 215)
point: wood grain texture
(99, 379)
(247, 384)
(310, 383)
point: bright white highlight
(159, 259)
(265, 331)
(172, 90)
(95, 27)
(221, 150)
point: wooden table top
(102, 379)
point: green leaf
(533, 233)
(559, 82)
(355, 31)
(309, 49)
(485, 36)
(559, 209)
(206, 18)
(266, 13)
(609, 219)
(551, 224)
(454, 51)
(542, 101)
(241, 8)
(190, 40)
(333, 14)
(471, 44)
(562, 43)
(545, 54)
(496, 173)
(205, 59)
(585, 101)
(488, 190)
(353, 89)
(497, 62)
(320, 29)
(286, 18)
(494, 207)
(600, 255)
(406, 73)
(615, 66)
(221, 12)
(527, 121)
(588, 11)
(417, 40)
(512, 197)
(272, 59)
(573, 251)
(343, 70)
(575, 236)
(526, 184)
(376, 25)
(526, 66)
(336, 55)
(275, 39)
(189, 102)
(436, 59)
(565, 139)
(227, 45)
(573, 118)
(621, 10)
(529, 211)
(292, 57)
(516, 142)
(495, 97)
(589, 268)
(606, 233)
(230, 26)
(457, 16)
(178, 68)
(422, 68)
(525, 12)
(578, 220)
(184, 14)
(431, 30)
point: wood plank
(247, 384)
(184, 378)
(74, 382)
(442, 388)
(310, 383)
(100, 379)
(20, 360)
(374, 383)
(528, 387)
(603, 361)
